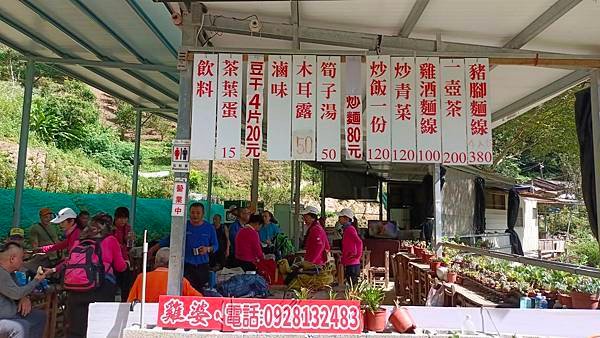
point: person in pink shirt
(67, 220)
(247, 242)
(112, 258)
(352, 246)
(316, 242)
(125, 236)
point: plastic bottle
(468, 327)
(544, 303)
(538, 300)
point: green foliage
(124, 117)
(102, 144)
(12, 67)
(546, 134)
(372, 297)
(10, 110)
(61, 113)
(155, 187)
(7, 172)
(583, 249)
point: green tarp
(152, 213)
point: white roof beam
(284, 31)
(539, 96)
(551, 15)
(413, 17)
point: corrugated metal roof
(132, 31)
(141, 31)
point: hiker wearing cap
(66, 218)
(352, 246)
(316, 242)
(44, 233)
(16, 235)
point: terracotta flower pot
(451, 277)
(565, 299)
(376, 320)
(411, 249)
(582, 300)
(434, 265)
(426, 257)
(402, 321)
(418, 251)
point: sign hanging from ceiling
(332, 108)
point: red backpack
(84, 269)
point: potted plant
(426, 256)
(435, 263)
(354, 292)
(372, 297)
(585, 293)
(419, 248)
(401, 319)
(451, 275)
(563, 288)
(303, 293)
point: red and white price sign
(479, 128)
(378, 108)
(404, 134)
(429, 129)
(179, 198)
(254, 105)
(229, 107)
(204, 101)
(353, 107)
(328, 104)
(279, 119)
(303, 107)
(454, 117)
(260, 315)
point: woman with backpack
(97, 251)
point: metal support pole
(295, 22)
(209, 190)
(24, 138)
(298, 177)
(595, 93)
(380, 188)
(437, 204)
(323, 192)
(254, 186)
(292, 223)
(136, 166)
(184, 132)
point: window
(495, 200)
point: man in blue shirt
(234, 228)
(200, 240)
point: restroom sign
(180, 156)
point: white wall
(458, 203)
(530, 229)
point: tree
(124, 117)
(546, 134)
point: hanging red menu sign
(480, 118)
(260, 315)
(378, 108)
(353, 109)
(303, 107)
(328, 104)
(254, 106)
(204, 111)
(229, 107)
(404, 133)
(454, 118)
(429, 129)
